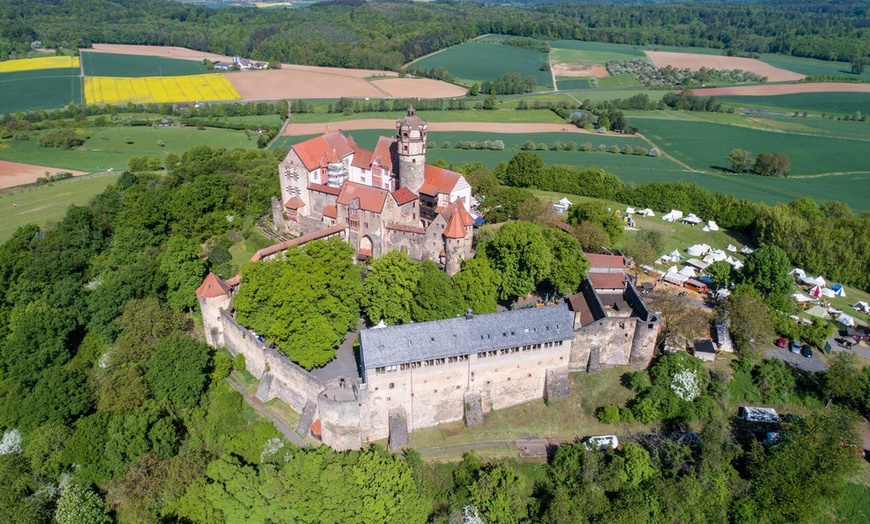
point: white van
(601, 442)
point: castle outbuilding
(386, 199)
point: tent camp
(712, 225)
(817, 311)
(688, 272)
(801, 298)
(821, 291)
(861, 306)
(674, 256)
(746, 250)
(798, 273)
(808, 281)
(718, 255)
(692, 219)
(563, 205)
(846, 320)
(673, 216)
(732, 248)
(838, 290)
(646, 212)
(697, 250)
(697, 264)
(820, 281)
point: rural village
(447, 262)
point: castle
(419, 375)
(385, 199)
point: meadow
(568, 83)
(43, 62)
(810, 66)
(39, 89)
(43, 204)
(592, 52)
(193, 88)
(107, 148)
(478, 62)
(841, 103)
(113, 64)
(469, 115)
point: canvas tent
(697, 250)
(846, 320)
(736, 264)
(820, 281)
(692, 218)
(712, 225)
(718, 255)
(674, 256)
(562, 205)
(673, 216)
(646, 212)
(798, 272)
(817, 311)
(630, 210)
(732, 248)
(800, 298)
(688, 272)
(697, 264)
(746, 250)
(838, 290)
(862, 306)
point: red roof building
(370, 198)
(213, 286)
(605, 262)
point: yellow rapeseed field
(43, 62)
(159, 89)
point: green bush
(223, 365)
(609, 414)
(239, 362)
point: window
(403, 367)
(379, 370)
(392, 385)
(353, 223)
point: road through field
(383, 123)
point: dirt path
(386, 124)
(261, 408)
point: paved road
(257, 404)
(814, 364)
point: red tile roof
(403, 195)
(362, 158)
(438, 180)
(329, 190)
(457, 207)
(455, 227)
(330, 211)
(406, 229)
(212, 287)
(605, 261)
(321, 150)
(315, 427)
(370, 198)
(304, 239)
(384, 151)
(580, 306)
(607, 280)
(294, 203)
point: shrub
(61, 139)
(239, 362)
(609, 414)
(223, 365)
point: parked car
(807, 351)
(601, 442)
(781, 342)
(795, 346)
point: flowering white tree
(685, 385)
(11, 442)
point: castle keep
(385, 199)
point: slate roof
(390, 346)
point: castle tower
(213, 295)
(411, 135)
(457, 238)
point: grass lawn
(481, 62)
(43, 89)
(565, 82)
(43, 204)
(105, 148)
(853, 507)
(810, 66)
(617, 81)
(601, 94)
(840, 103)
(567, 418)
(506, 115)
(110, 64)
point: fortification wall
(610, 337)
(340, 423)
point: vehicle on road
(795, 346)
(807, 351)
(601, 442)
(781, 342)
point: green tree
(524, 170)
(774, 380)
(772, 164)
(44, 447)
(390, 288)
(569, 266)
(59, 397)
(520, 253)
(637, 466)
(177, 371)
(739, 160)
(184, 270)
(844, 380)
(436, 296)
(595, 211)
(501, 495)
(37, 339)
(767, 270)
(477, 285)
(751, 323)
(859, 64)
(721, 273)
(79, 505)
(592, 237)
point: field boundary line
(669, 156)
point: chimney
(469, 314)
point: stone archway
(365, 246)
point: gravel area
(814, 364)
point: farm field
(468, 115)
(48, 203)
(14, 174)
(106, 148)
(45, 89)
(32, 64)
(592, 52)
(810, 66)
(113, 90)
(696, 61)
(842, 103)
(784, 89)
(479, 62)
(384, 125)
(568, 83)
(114, 65)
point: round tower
(411, 136)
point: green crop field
(48, 203)
(593, 52)
(110, 64)
(842, 103)
(39, 89)
(481, 62)
(106, 148)
(469, 115)
(809, 66)
(568, 83)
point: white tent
(672, 269)
(828, 292)
(798, 272)
(815, 291)
(809, 281)
(709, 259)
(817, 311)
(846, 320)
(673, 216)
(820, 281)
(718, 255)
(675, 278)
(800, 297)
(630, 210)
(712, 225)
(674, 256)
(688, 272)
(736, 264)
(746, 250)
(697, 264)
(692, 219)
(705, 229)
(862, 306)
(562, 205)
(722, 294)
(697, 250)
(732, 248)
(646, 212)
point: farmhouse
(386, 199)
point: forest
(386, 35)
(112, 410)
